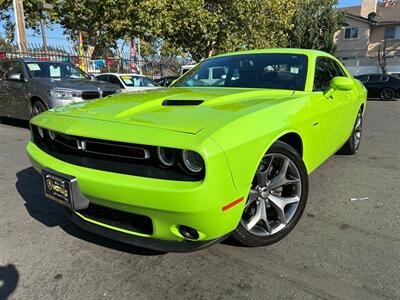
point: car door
(374, 85)
(15, 91)
(4, 105)
(333, 120)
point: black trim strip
(149, 243)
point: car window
(114, 80)
(14, 67)
(324, 72)
(265, 70)
(338, 69)
(101, 77)
(375, 78)
(57, 70)
(137, 81)
(362, 78)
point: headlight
(166, 156)
(41, 132)
(192, 161)
(65, 93)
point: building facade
(369, 28)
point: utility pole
(20, 25)
(43, 7)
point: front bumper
(168, 203)
(144, 242)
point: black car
(382, 86)
(166, 81)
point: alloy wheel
(358, 130)
(274, 197)
(37, 108)
(387, 94)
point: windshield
(59, 70)
(271, 71)
(136, 81)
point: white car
(129, 82)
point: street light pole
(43, 6)
(43, 30)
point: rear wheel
(387, 94)
(38, 107)
(277, 198)
(353, 143)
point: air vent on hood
(181, 102)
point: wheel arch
(33, 99)
(290, 137)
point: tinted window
(14, 67)
(114, 80)
(362, 78)
(102, 77)
(375, 78)
(324, 72)
(269, 70)
(49, 69)
(136, 81)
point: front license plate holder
(63, 189)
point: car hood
(76, 84)
(150, 108)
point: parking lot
(346, 246)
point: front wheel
(37, 108)
(353, 143)
(277, 198)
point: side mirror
(342, 83)
(339, 84)
(15, 77)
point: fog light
(188, 232)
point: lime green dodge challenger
(226, 151)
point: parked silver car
(29, 87)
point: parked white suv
(129, 82)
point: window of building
(390, 33)
(351, 33)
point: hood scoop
(182, 102)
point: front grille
(100, 147)
(90, 95)
(119, 219)
(110, 156)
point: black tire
(243, 236)
(38, 107)
(387, 94)
(353, 143)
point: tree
(315, 24)
(382, 55)
(207, 27)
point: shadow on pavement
(9, 278)
(30, 186)
(14, 122)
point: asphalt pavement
(341, 248)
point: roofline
(359, 18)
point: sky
(55, 34)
